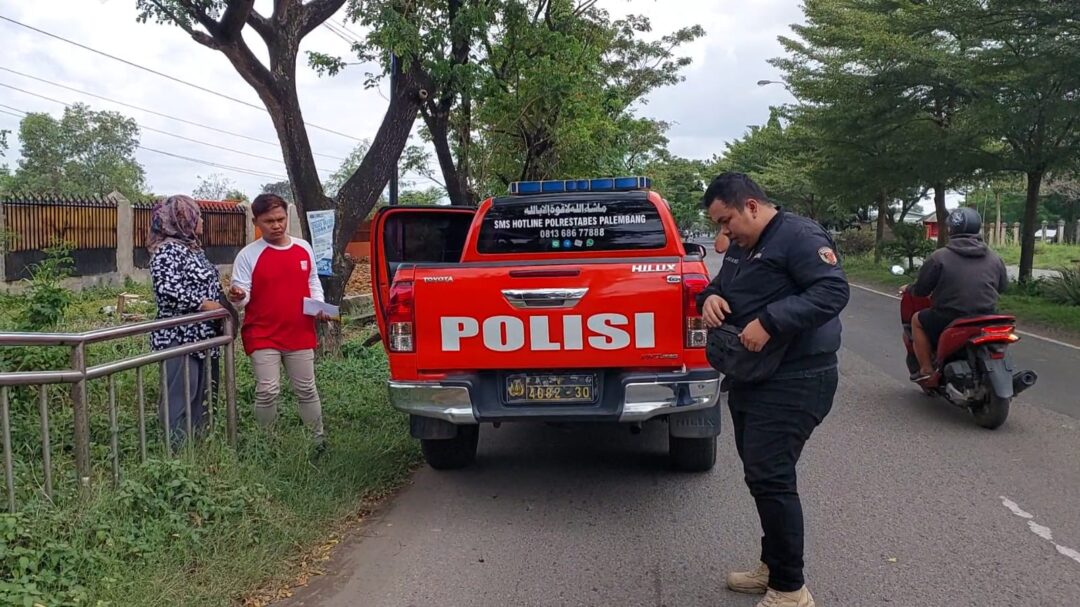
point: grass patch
(1027, 304)
(217, 523)
(1047, 256)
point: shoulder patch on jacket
(827, 255)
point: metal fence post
(114, 432)
(9, 468)
(230, 382)
(81, 418)
(46, 450)
(142, 413)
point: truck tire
(452, 453)
(692, 454)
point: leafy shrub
(910, 242)
(855, 242)
(1064, 289)
(46, 299)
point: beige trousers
(300, 366)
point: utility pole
(393, 98)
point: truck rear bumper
(627, 398)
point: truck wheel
(452, 453)
(992, 413)
(692, 454)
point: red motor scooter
(972, 365)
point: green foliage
(83, 153)
(496, 110)
(215, 187)
(281, 188)
(1064, 289)
(855, 242)
(46, 298)
(213, 525)
(681, 182)
(909, 242)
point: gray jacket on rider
(965, 277)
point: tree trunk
(1031, 212)
(457, 187)
(942, 214)
(998, 240)
(879, 240)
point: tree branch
(233, 19)
(316, 12)
(262, 26)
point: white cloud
(716, 102)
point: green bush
(46, 298)
(1064, 289)
(910, 242)
(855, 242)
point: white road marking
(1039, 530)
(1024, 333)
(1011, 505)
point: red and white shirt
(277, 279)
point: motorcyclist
(964, 279)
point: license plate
(551, 388)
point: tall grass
(212, 525)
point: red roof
(224, 205)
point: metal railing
(78, 374)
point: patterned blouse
(182, 280)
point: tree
(280, 188)
(560, 87)
(5, 174)
(681, 182)
(1025, 73)
(214, 187)
(83, 153)
(220, 25)
(882, 95)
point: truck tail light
(401, 316)
(696, 332)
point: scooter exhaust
(1024, 380)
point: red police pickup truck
(564, 301)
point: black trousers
(772, 422)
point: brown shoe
(799, 598)
(750, 582)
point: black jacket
(792, 281)
(965, 277)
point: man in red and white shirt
(271, 277)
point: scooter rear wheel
(992, 413)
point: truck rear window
(578, 225)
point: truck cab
(563, 301)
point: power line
(337, 33)
(152, 129)
(218, 165)
(251, 172)
(156, 113)
(164, 75)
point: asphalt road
(907, 502)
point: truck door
(408, 235)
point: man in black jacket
(964, 277)
(782, 280)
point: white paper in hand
(312, 307)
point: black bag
(727, 355)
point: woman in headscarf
(185, 282)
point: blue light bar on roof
(560, 186)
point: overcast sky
(716, 102)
